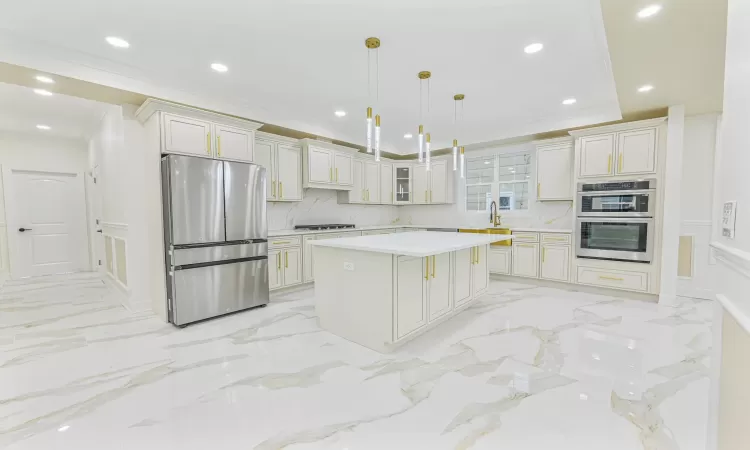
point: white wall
(320, 206)
(696, 197)
(540, 214)
(35, 151)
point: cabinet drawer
(285, 241)
(556, 238)
(521, 236)
(617, 279)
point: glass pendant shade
(427, 151)
(455, 154)
(369, 130)
(462, 162)
(377, 137)
(421, 143)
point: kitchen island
(381, 291)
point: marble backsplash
(321, 206)
(554, 215)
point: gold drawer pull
(281, 242)
(604, 277)
(525, 245)
(549, 238)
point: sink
(490, 231)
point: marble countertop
(418, 244)
(276, 233)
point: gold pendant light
(373, 44)
(456, 98)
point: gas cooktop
(324, 226)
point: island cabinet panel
(440, 301)
(463, 276)
(411, 307)
(480, 271)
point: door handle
(24, 229)
(98, 231)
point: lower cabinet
(462, 261)
(292, 266)
(480, 274)
(411, 298)
(285, 264)
(307, 257)
(500, 260)
(275, 275)
(555, 262)
(439, 297)
(526, 260)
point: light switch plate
(728, 218)
(349, 266)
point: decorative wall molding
(115, 225)
(735, 259)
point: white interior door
(46, 215)
(93, 190)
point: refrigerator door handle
(219, 263)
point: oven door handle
(645, 192)
(616, 219)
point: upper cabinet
(191, 131)
(282, 158)
(327, 166)
(434, 186)
(372, 182)
(554, 171)
(402, 183)
(386, 184)
(619, 150)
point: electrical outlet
(349, 266)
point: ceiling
(21, 110)
(679, 51)
(293, 63)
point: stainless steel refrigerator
(216, 237)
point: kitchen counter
(418, 244)
(277, 233)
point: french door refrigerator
(216, 237)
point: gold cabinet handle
(427, 268)
(430, 195)
(337, 174)
(433, 267)
(281, 190)
(524, 245)
(273, 189)
(278, 261)
(619, 164)
(286, 260)
(218, 144)
(539, 190)
(208, 143)
(544, 254)
(280, 242)
(604, 277)
(330, 174)
(609, 163)
(477, 255)
(551, 238)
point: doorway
(46, 214)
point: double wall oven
(616, 220)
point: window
(504, 178)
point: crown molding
(625, 126)
(151, 106)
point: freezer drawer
(245, 201)
(194, 200)
(204, 291)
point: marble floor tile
(524, 367)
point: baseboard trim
(579, 288)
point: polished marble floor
(523, 368)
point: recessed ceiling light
(63, 428)
(43, 79)
(408, 136)
(42, 92)
(219, 67)
(645, 88)
(533, 48)
(649, 11)
(569, 101)
(486, 162)
(115, 41)
(43, 127)
(340, 113)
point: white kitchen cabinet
(439, 301)
(500, 260)
(292, 266)
(463, 262)
(327, 166)
(403, 183)
(636, 151)
(234, 143)
(439, 182)
(526, 260)
(288, 172)
(307, 258)
(320, 166)
(555, 262)
(275, 275)
(421, 184)
(186, 135)
(411, 304)
(597, 155)
(282, 161)
(358, 191)
(386, 184)
(372, 182)
(480, 274)
(554, 172)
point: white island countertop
(418, 244)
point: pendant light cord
(377, 75)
